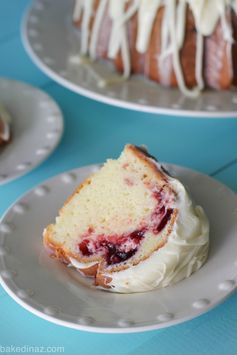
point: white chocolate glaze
(87, 13)
(146, 16)
(206, 13)
(5, 119)
(96, 28)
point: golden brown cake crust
(188, 51)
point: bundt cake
(5, 131)
(131, 226)
(186, 43)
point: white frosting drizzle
(181, 15)
(95, 31)
(77, 10)
(176, 56)
(146, 17)
(5, 119)
(87, 13)
(206, 13)
(199, 59)
(119, 39)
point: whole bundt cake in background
(186, 43)
(130, 226)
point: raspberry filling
(116, 249)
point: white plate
(37, 127)
(52, 44)
(59, 294)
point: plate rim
(110, 330)
(60, 120)
(106, 99)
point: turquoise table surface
(93, 132)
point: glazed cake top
(206, 13)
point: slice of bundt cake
(131, 226)
(5, 130)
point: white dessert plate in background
(59, 294)
(37, 127)
(54, 47)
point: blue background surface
(93, 132)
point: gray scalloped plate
(60, 295)
(37, 127)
